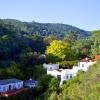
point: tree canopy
(57, 51)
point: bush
(68, 64)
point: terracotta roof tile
(97, 57)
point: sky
(84, 14)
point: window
(67, 77)
(4, 89)
(82, 65)
(50, 68)
(70, 75)
(59, 77)
(18, 85)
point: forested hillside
(22, 45)
(43, 29)
(18, 38)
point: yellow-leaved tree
(57, 51)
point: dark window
(67, 76)
(50, 68)
(9, 87)
(82, 65)
(59, 77)
(70, 75)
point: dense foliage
(58, 51)
(42, 30)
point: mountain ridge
(44, 29)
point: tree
(53, 85)
(95, 47)
(43, 83)
(71, 37)
(64, 97)
(58, 51)
(53, 96)
(12, 71)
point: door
(10, 87)
(59, 77)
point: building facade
(10, 84)
(30, 83)
(66, 74)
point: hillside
(18, 38)
(85, 86)
(44, 29)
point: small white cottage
(30, 83)
(84, 64)
(10, 84)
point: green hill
(18, 37)
(44, 29)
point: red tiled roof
(97, 57)
(87, 60)
(59, 70)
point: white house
(10, 84)
(51, 66)
(30, 83)
(84, 64)
(62, 74)
(66, 74)
(55, 73)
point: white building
(51, 66)
(10, 84)
(62, 74)
(84, 64)
(66, 74)
(30, 83)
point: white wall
(30, 85)
(51, 66)
(85, 65)
(19, 85)
(65, 74)
(5, 88)
(54, 73)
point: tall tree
(57, 51)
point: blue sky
(84, 14)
